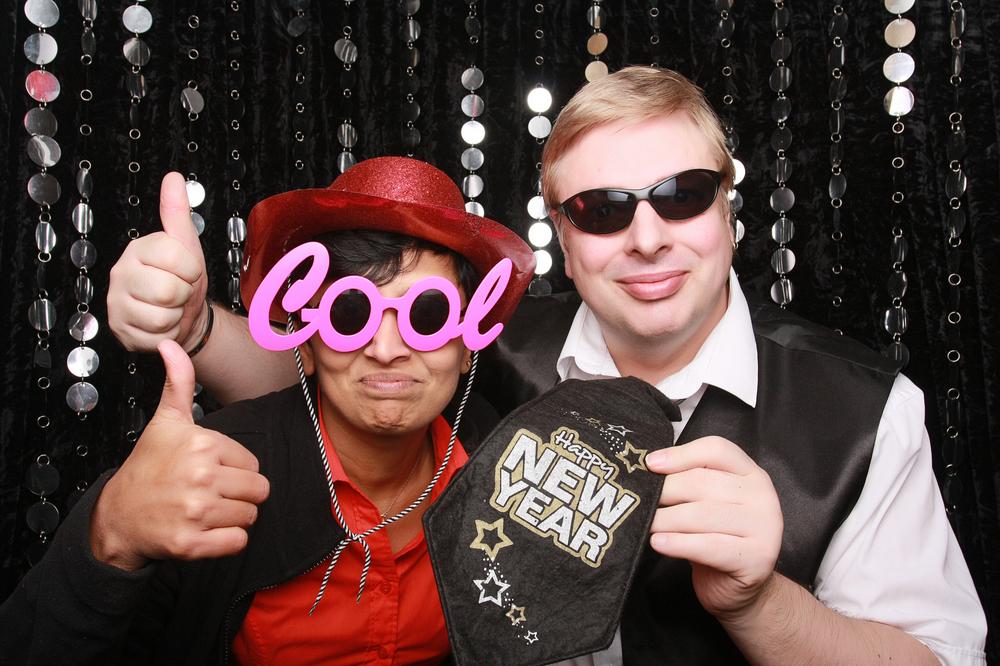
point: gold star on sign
(496, 529)
(632, 457)
(516, 615)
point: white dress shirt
(895, 558)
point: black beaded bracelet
(208, 331)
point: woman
(335, 569)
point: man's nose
(649, 233)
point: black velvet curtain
(80, 448)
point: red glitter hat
(395, 194)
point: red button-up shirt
(399, 619)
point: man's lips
(653, 286)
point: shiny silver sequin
(192, 101)
(898, 249)
(136, 52)
(782, 291)
(44, 151)
(40, 121)
(345, 50)
(540, 234)
(739, 170)
(234, 258)
(42, 86)
(42, 13)
(83, 218)
(595, 17)
(473, 132)
(45, 237)
(42, 479)
(135, 82)
(539, 100)
(82, 362)
(597, 43)
(783, 230)
(83, 289)
(41, 48)
(838, 186)
(410, 31)
(84, 182)
(898, 67)
(472, 78)
(297, 26)
(199, 222)
(82, 397)
(897, 284)
(83, 253)
(195, 192)
(900, 32)
(345, 161)
(898, 352)
(137, 19)
(895, 320)
(473, 105)
(42, 517)
(898, 101)
(347, 135)
(236, 229)
(83, 326)
(44, 189)
(42, 314)
(899, 6)
(472, 186)
(782, 199)
(472, 158)
(475, 208)
(597, 69)
(783, 260)
(539, 127)
(88, 9)
(741, 230)
(88, 42)
(536, 207)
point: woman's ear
(308, 359)
(467, 362)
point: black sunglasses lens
(601, 211)
(350, 312)
(685, 195)
(429, 312)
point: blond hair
(633, 94)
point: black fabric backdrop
(507, 54)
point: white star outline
(491, 577)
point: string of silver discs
(362, 536)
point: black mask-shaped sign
(535, 542)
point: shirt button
(383, 653)
(386, 587)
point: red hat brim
(284, 221)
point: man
(287, 529)
(802, 495)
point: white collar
(727, 359)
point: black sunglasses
(352, 309)
(608, 210)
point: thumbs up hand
(158, 285)
(185, 492)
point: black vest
(820, 397)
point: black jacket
(71, 608)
